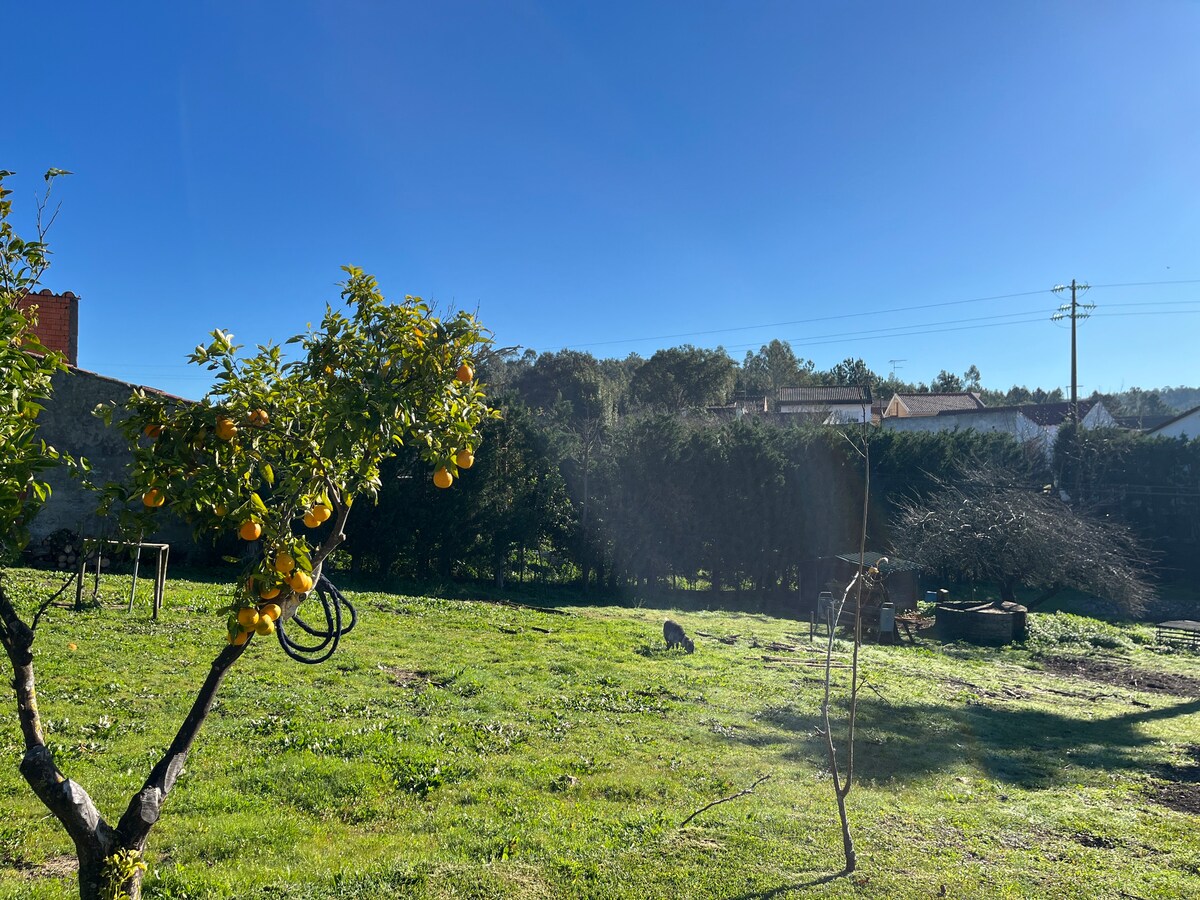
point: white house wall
(1187, 427)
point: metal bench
(1180, 632)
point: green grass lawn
(470, 749)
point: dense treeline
(611, 473)
(1150, 484)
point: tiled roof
(1054, 413)
(1147, 422)
(1038, 413)
(825, 395)
(932, 404)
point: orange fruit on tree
(269, 593)
(465, 373)
(265, 626)
(154, 498)
(258, 418)
(238, 639)
(250, 531)
(271, 611)
(300, 581)
(284, 562)
(442, 477)
(220, 510)
(321, 512)
(152, 431)
(226, 428)
(248, 617)
(311, 521)
(464, 459)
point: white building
(828, 405)
(1185, 425)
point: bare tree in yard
(276, 452)
(994, 526)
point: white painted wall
(1186, 427)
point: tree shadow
(1030, 748)
(785, 889)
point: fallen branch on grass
(742, 793)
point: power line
(1146, 283)
(877, 312)
(855, 315)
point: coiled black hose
(332, 604)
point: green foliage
(118, 870)
(1151, 484)
(26, 369)
(284, 443)
(1054, 631)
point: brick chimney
(58, 321)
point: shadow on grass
(785, 889)
(1030, 748)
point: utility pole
(1073, 311)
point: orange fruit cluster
(318, 514)
(254, 620)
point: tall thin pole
(1073, 311)
(1074, 377)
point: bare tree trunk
(95, 840)
(841, 787)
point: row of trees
(589, 479)
(687, 377)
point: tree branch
(66, 800)
(742, 793)
(146, 805)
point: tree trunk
(95, 840)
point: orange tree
(277, 452)
(26, 368)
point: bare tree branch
(146, 805)
(990, 525)
(741, 793)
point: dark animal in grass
(674, 636)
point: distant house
(738, 407)
(1144, 423)
(828, 405)
(1038, 422)
(1185, 425)
(927, 404)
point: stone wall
(67, 424)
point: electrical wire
(876, 312)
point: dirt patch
(1108, 672)
(1180, 786)
(1184, 798)
(405, 677)
(59, 866)
(1095, 841)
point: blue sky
(617, 177)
